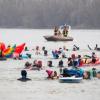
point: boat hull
(56, 38)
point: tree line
(48, 13)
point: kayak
(57, 38)
(70, 79)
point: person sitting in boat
(57, 31)
(65, 31)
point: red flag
(2, 46)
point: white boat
(70, 79)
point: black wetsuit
(24, 79)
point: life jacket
(65, 33)
(55, 32)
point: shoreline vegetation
(37, 13)
(27, 28)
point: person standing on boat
(65, 31)
(57, 31)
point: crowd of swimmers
(38, 51)
(56, 52)
(72, 60)
(71, 69)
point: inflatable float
(70, 79)
(57, 38)
(89, 63)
